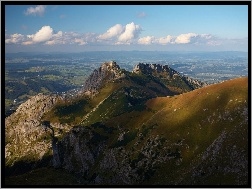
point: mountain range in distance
(150, 126)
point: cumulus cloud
(38, 10)
(146, 40)
(44, 34)
(121, 34)
(14, 38)
(56, 39)
(112, 32)
(165, 40)
(115, 35)
(80, 41)
(131, 32)
(71, 38)
(185, 38)
(191, 38)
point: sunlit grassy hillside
(204, 126)
(195, 138)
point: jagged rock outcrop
(87, 153)
(25, 138)
(166, 73)
(79, 150)
(107, 72)
(151, 68)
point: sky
(77, 28)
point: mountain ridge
(132, 124)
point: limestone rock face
(107, 72)
(151, 68)
(24, 135)
(167, 73)
(79, 150)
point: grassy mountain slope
(208, 127)
(135, 130)
(215, 115)
(112, 85)
(114, 97)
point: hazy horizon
(71, 28)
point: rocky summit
(107, 71)
(167, 73)
(151, 126)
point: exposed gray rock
(24, 135)
(107, 72)
(170, 73)
(79, 150)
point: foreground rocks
(25, 138)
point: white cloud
(112, 32)
(90, 37)
(14, 38)
(165, 40)
(131, 32)
(71, 38)
(117, 34)
(185, 38)
(27, 43)
(146, 40)
(59, 34)
(206, 36)
(44, 34)
(80, 41)
(191, 38)
(56, 39)
(38, 10)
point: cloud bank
(115, 35)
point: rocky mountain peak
(110, 66)
(108, 71)
(167, 74)
(151, 68)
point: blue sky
(75, 28)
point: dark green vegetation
(138, 131)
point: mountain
(148, 126)
(172, 79)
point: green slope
(152, 132)
(196, 138)
(189, 124)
